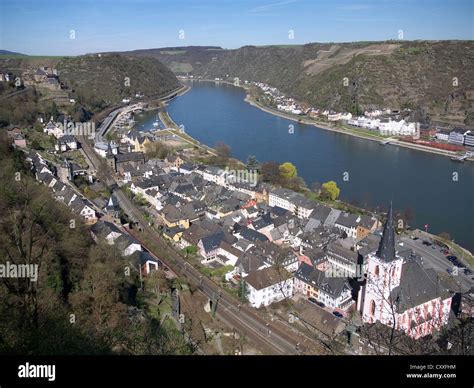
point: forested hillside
(82, 301)
(433, 78)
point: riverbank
(341, 205)
(339, 129)
(160, 103)
(334, 128)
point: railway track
(272, 336)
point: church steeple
(386, 250)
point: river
(438, 191)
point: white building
(268, 285)
(65, 143)
(102, 148)
(79, 206)
(214, 174)
(334, 116)
(54, 129)
(457, 136)
(385, 127)
(296, 203)
(442, 135)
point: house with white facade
(214, 174)
(348, 223)
(457, 136)
(79, 206)
(268, 286)
(66, 143)
(342, 261)
(442, 135)
(296, 203)
(102, 148)
(469, 139)
(54, 129)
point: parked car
(456, 261)
(427, 243)
(338, 314)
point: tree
(243, 291)
(445, 236)
(270, 172)
(53, 111)
(297, 184)
(38, 127)
(157, 150)
(190, 250)
(80, 300)
(316, 187)
(158, 284)
(330, 190)
(223, 153)
(252, 163)
(288, 171)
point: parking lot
(434, 257)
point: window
(376, 270)
(372, 308)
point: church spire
(386, 250)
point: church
(400, 292)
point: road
(271, 336)
(434, 258)
(25, 89)
(106, 123)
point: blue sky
(43, 27)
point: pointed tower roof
(112, 201)
(386, 250)
(109, 153)
(65, 163)
(112, 206)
